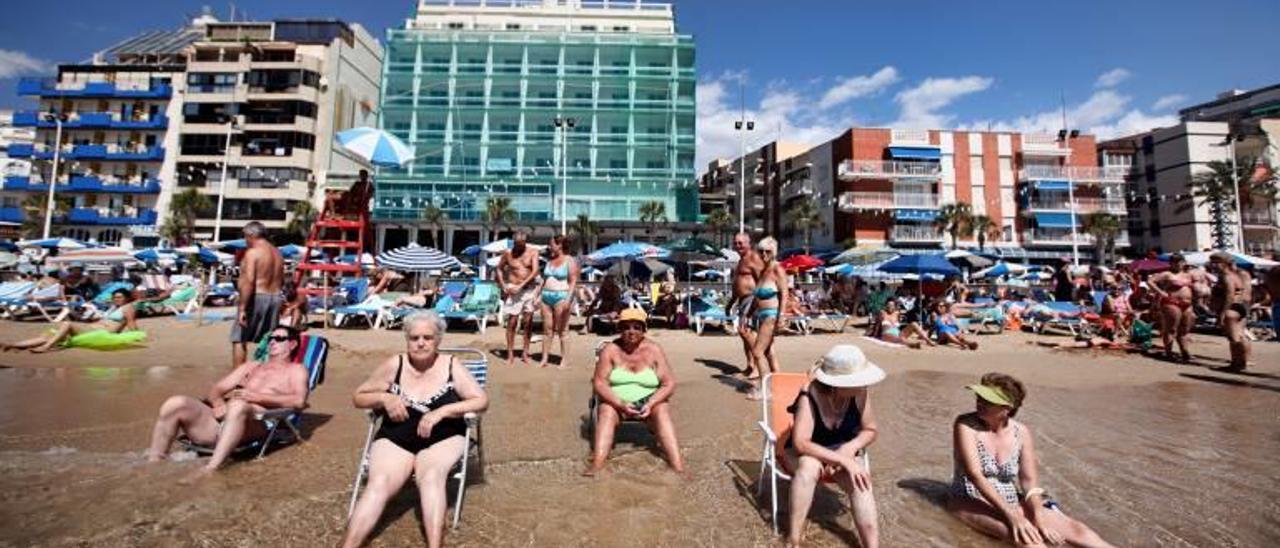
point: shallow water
(1166, 463)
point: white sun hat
(845, 366)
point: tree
(720, 221)
(652, 213)
(1104, 227)
(587, 231)
(1215, 189)
(984, 227)
(434, 217)
(303, 214)
(33, 209)
(955, 219)
(184, 208)
(804, 218)
(497, 213)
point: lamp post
(563, 125)
(232, 125)
(57, 120)
(742, 126)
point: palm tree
(33, 209)
(984, 227)
(1216, 188)
(720, 221)
(804, 218)
(587, 231)
(434, 217)
(1104, 227)
(653, 213)
(185, 207)
(955, 219)
(497, 213)
(303, 214)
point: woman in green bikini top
(633, 381)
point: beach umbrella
(708, 274)
(472, 250)
(53, 243)
(233, 245)
(863, 255)
(1038, 275)
(498, 246)
(1148, 266)
(628, 251)
(800, 263)
(110, 255)
(920, 264)
(1001, 269)
(376, 146)
(968, 258)
(691, 249)
(415, 258)
(291, 251)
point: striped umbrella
(93, 255)
(53, 243)
(627, 250)
(376, 146)
(414, 258)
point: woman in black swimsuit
(422, 396)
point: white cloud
(921, 103)
(1112, 78)
(858, 86)
(16, 63)
(1105, 114)
(1169, 101)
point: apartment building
(485, 91)
(1236, 126)
(882, 186)
(277, 92)
(100, 132)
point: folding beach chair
(478, 306)
(704, 311)
(594, 403)
(313, 351)
(835, 322)
(1076, 325)
(14, 293)
(48, 302)
(477, 363)
(779, 392)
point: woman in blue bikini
(559, 284)
(770, 297)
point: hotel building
(477, 87)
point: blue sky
(815, 67)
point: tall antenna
(1063, 98)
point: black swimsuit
(849, 428)
(405, 433)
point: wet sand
(1149, 453)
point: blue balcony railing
(11, 214)
(90, 120)
(90, 152)
(92, 216)
(45, 87)
(83, 183)
(21, 150)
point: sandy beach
(1149, 453)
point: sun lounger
(780, 390)
(47, 302)
(477, 363)
(479, 305)
(704, 311)
(1069, 317)
(313, 351)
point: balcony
(11, 215)
(852, 170)
(44, 87)
(111, 216)
(90, 152)
(1257, 217)
(793, 189)
(757, 203)
(85, 183)
(1075, 174)
(1082, 205)
(1043, 144)
(94, 120)
(1062, 236)
(912, 233)
(852, 201)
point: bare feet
(754, 394)
(592, 469)
(154, 458)
(543, 363)
(511, 358)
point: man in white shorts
(518, 277)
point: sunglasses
(280, 338)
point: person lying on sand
(225, 420)
(995, 488)
(633, 381)
(119, 327)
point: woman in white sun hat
(833, 424)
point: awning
(1053, 220)
(915, 214)
(915, 153)
(1053, 184)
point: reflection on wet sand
(1148, 453)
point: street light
(57, 119)
(563, 125)
(232, 125)
(742, 126)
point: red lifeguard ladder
(342, 228)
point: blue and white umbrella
(414, 258)
(376, 146)
(53, 243)
(627, 250)
(709, 274)
(293, 251)
(1001, 269)
(232, 245)
(153, 255)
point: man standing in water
(1232, 296)
(745, 274)
(517, 275)
(261, 278)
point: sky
(805, 70)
